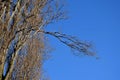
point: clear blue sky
(93, 20)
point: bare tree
(29, 62)
(20, 20)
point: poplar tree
(22, 30)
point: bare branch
(73, 43)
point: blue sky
(91, 20)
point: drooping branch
(71, 41)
